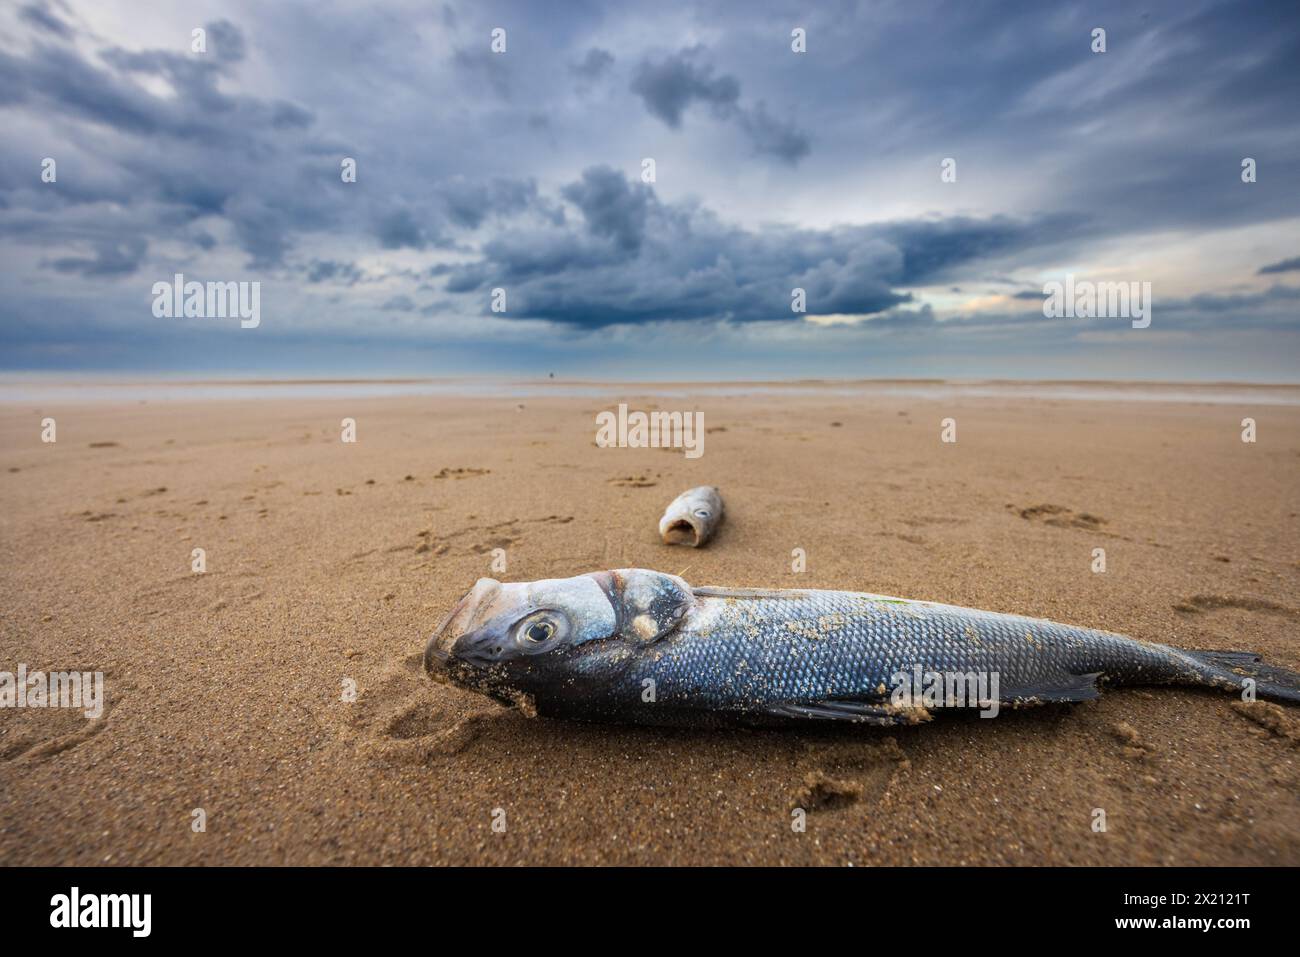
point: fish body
(643, 647)
(692, 517)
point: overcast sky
(523, 171)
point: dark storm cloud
(1285, 265)
(457, 204)
(62, 78)
(398, 229)
(41, 17)
(481, 65)
(1234, 305)
(636, 259)
(398, 304)
(594, 64)
(668, 87)
(469, 203)
(58, 78)
(225, 41)
(933, 250)
(328, 270)
(111, 258)
(167, 159)
(611, 206)
(479, 170)
(773, 137)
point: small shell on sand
(691, 517)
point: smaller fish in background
(692, 517)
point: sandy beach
(328, 565)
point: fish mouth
(682, 532)
(436, 658)
(437, 653)
(438, 661)
(467, 673)
(447, 669)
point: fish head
(555, 636)
(691, 517)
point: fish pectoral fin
(856, 712)
(1068, 688)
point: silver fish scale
(751, 653)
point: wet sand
(329, 561)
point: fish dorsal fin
(708, 591)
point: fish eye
(539, 631)
(701, 513)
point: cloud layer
(526, 171)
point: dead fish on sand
(644, 647)
(691, 517)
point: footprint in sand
(484, 537)
(427, 544)
(1059, 516)
(62, 733)
(910, 539)
(821, 792)
(1127, 735)
(34, 734)
(924, 520)
(1273, 720)
(1199, 603)
(501, 541)
(215, 590)
(407, 719)
(839, 774)
(633, 481)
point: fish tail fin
(1232, 669)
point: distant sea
(37, 389)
